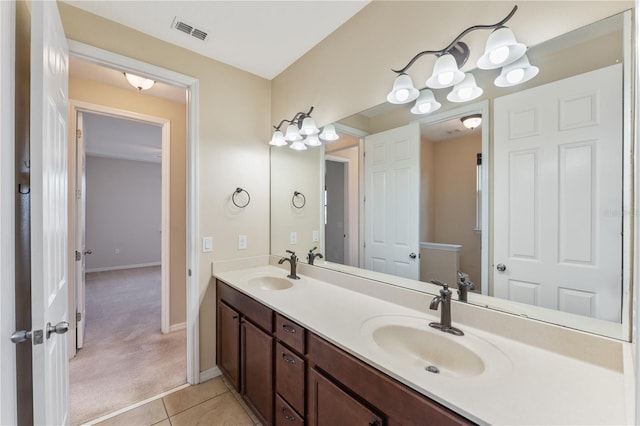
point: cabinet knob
(288, 359)
(285, 415)
(288, 329)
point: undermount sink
(271, 283)
(409, 342)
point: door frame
(8, 409)
(347, 223)
(76, 106)
(113, 60)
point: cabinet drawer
(290, 333)
(285, 415)
(290, 377)
(255, 311)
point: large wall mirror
(528, 205)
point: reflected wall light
(302, 132)
(140, 83)
(502, 50)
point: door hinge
(78, 194)
(78, 133)
(364, 199)
(189, 272)
(78, 317)
(78, 256)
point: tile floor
(210, 403)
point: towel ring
(297, 195)
(239, 191)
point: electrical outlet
(207, 244)
(242, 242)
(117, 251)
(315, 237)
(293, 238)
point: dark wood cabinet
(290, 376)
(329, 405)
(228, 347)
(257, 368)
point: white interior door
(392, 185)
(49, 270)
(558, 195)
(81, 251)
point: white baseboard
(176, 327)
(209, 374)
(117, 268)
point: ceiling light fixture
(471, 121)
(501, 50)
(302, 132)
(138, 82)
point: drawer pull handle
(288, 329)
(287, 359)
(286, 416)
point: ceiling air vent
(188, 29)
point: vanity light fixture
(302, 132)
(501, 50)
(471, 121)
(140, 83)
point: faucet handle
(311, 250)
(293, 253)
(441, 284)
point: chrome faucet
(445, 313)
(463, 287)
(293, 262)
(311, 256)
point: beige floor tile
(145, 415)
(221, 410)
(165, 422)
(193, 395)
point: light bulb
(402, 95)
(515, 76)
(445, 77)
(499, 55)
(424, 107)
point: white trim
(351, 131)
(121, 267)
(165, 260)
(8, 397)
(441, 246)
(209, 374)
(136, 405)
(114, 60)
(177, 327)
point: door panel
(392, 173)
(558, 195)
(49, 245)
(335, 231)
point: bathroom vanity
(331, 348)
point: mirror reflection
(475, 204)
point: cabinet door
(329, 405)
(257, 371)
(228, 348)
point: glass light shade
(277, 139)
(516, 73)
(471, 121)
(298, 146)
(502, 48)
(308, 127)
(329, 133)
(465, 91)
(293, 134)
(445, 73)
(425, 103)
(312, 140)
(138, 82)
(403, 90)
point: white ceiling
(113, 137)
(261, 37)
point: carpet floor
(125, 358)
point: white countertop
(523, 384)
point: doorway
(123, 168)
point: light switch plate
(207, 244)
(293, 238)
(242, 242)
(315, 237)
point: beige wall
(454, 199)
(232, 141)
(100, 94)
(387, 34)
